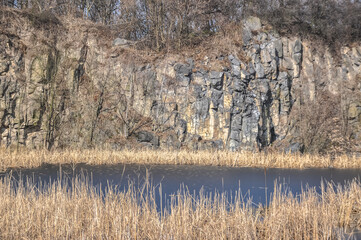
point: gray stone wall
(80, 90)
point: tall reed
(80, 211)
(34, 158)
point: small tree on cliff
(131, 120)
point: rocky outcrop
(75, 88)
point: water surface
(251, 182)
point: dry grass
(55, 212)
(25, 158)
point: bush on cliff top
(172, 24)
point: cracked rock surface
(74, 90)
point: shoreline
(25, 158)
(55, 212)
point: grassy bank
(55, 212)
(34, 158)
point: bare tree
(318, 122)
(164, 24)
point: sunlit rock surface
(74, 88)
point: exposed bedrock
(77, 90)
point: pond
(252, 183)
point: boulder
(122, 42)
(253, 24)
(144, 136)
(148, 137)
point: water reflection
(251, 182)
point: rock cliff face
(74, 87)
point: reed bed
(10, 158)
(83, 212)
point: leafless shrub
(318, 122)
(333, 22)
(45, 19)
(172, 24)
(323, 124)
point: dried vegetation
(81, 212)
(33, 158)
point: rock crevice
(77, 93)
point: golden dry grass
(56, 212)
(25, 158)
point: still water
(253, 183)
